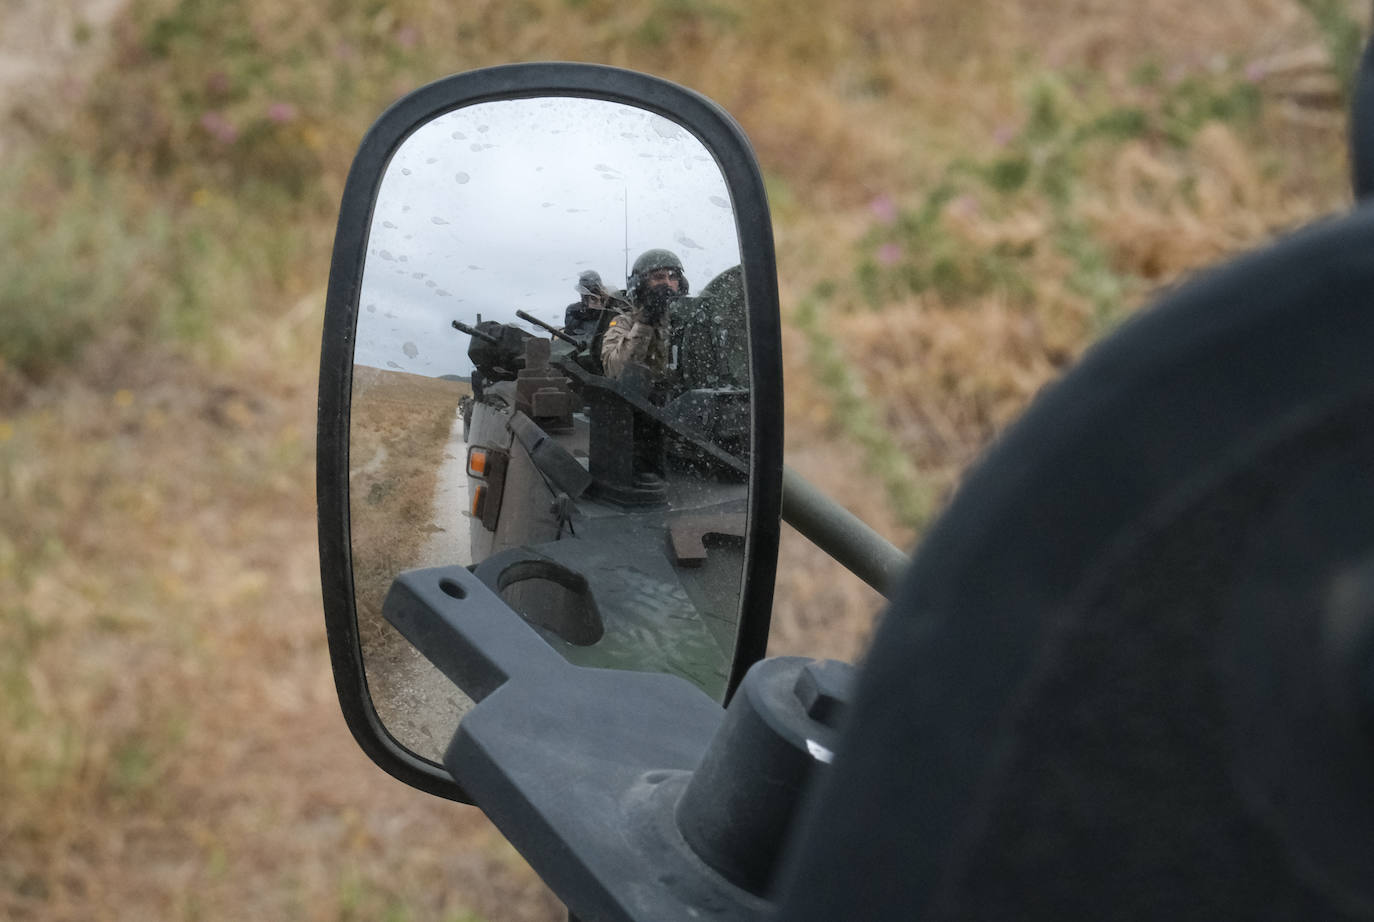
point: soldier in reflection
(639, 335)
(638, 338)
(582, 318)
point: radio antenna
(626, 199)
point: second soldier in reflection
(639, 335)
(583, 319)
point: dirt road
(451, 543)
(419, 706)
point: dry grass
(173, 749)
(400, 426)
(176, 750)
(944, 375)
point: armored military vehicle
(611, 513)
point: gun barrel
(549, 327)
(462, 327)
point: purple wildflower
(219, 127)
(884, 209)
(279, 113)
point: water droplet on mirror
(386, 254)
(417, 275)
(483, 128)
(441, 293)
(717, 200)
(458, 136)
(372, 308)
(432, 160)
(405, 208)
(471, 266)
(405, 171)
(462, 178)
(438, 220)
(388, 225)
(393, 365)
(411, 350)
(686, 241)
(475, 147)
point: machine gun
(497, 349)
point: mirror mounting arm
(841, 534)
(632, 794)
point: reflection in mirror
(588, 460)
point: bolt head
(823, 687)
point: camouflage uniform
(629, 340)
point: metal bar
(548, 327)
(841, 534)
(462, 327)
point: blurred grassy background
(965, 195)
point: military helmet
(650, 260)
(589, 283)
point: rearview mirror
(611, 468)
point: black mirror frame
(723, 137)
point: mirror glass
(551, 387)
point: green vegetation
(1044, 200)
(1342, 33)
(1045, 169)
(858, 416)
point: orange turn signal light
(477, 462)
(479, 501)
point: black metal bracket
(633, 795)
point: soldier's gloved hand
(656, 303)
(652, 312)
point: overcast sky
(500, 206)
